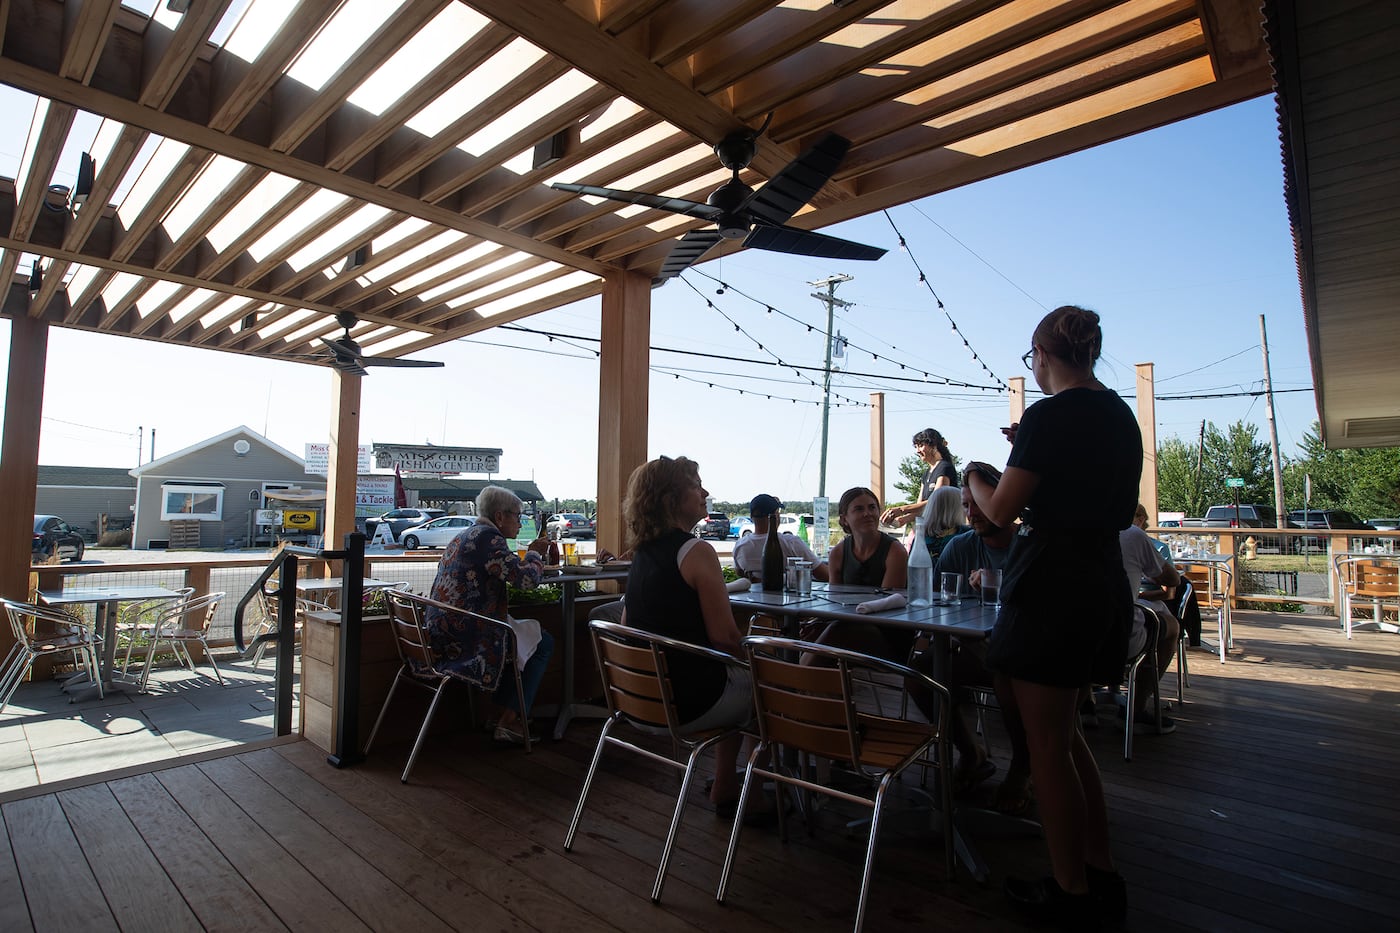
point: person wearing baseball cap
(748, 553)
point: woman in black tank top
(866, 556)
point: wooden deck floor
(1272, 807)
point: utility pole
(1279, 512)
(831, 301)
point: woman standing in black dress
(1047, 648)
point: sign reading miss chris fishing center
(446, 461)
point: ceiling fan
(758, 217)
(344, 353)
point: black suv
(713, 525)
(52, 535)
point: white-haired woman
(944, 518)
(475, 570)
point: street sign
(1234, 482)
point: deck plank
(296, 896)
(139, 893)
(14, 911)
(218, 894)
(59, 885)
(378, 902)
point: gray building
(81, 496)
(208, 495)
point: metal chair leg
(587, 784)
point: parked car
(1328, 518)
(53, 535)
(713, 525)
(741, 527)
(1249, 516)
(571, 525)
(436, 533)
(788, 524)
(400, 520)
(1384, 524)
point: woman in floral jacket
(475, 570)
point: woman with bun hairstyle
(1046, 648)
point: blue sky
(1178, 237)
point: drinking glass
(790, 574)
(803, 571)
(570, 553)
(950, 589)
(520, 552)
(991, 587)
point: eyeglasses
(1027, 358)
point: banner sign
(268, 516)
(821, 528)
(374, 494)
(318, 459)
(445, 461)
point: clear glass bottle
(920, 570)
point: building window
(191, 502)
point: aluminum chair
(1202, 580)
(1183, 672)
(637, 685)
(1148, 656)
(812, 709)
(421, 667)
(1368, 580)
(179, 626)
(139, 618)
(42, 630)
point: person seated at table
(1185, 610)
(944, 517)
(675, 588)
(748, 553)
(867, 557)
(475, 570)
(985, 546)
(1142, 562)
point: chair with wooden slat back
(1209, 597)
(637, 686)
(1369, 580)
(421, 665)
(811, 709)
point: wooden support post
(623, 396)
(1018, 399)
(1147, 423)
(877, 444)
(344, 460)
(19, 456)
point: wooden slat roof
(246, 148)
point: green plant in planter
(375, 603)
(548, 593)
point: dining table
(965, 619)
(570, 579)
(107, 600)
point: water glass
(950, 589)
(803, 572)
(790, 574)
(991, 587)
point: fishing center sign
(441, 461)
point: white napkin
(527, 639)
(737, 586)
(892, 601)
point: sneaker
(512, 734)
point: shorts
(733, 708)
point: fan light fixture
(177, 6)
(36, 278)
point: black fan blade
(404, 364)
(782, 239)
(687, 250)
(343, 347)
(798, 182)
(659, 202)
